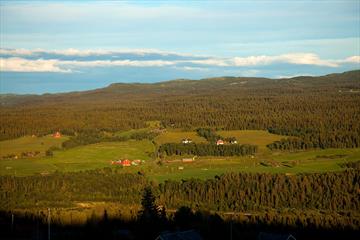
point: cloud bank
(72, 60)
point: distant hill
(219, 85)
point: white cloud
(108, 63)
(212, 62)
(53, 65)
(16, 52)
(352, 59)
(187, 68)
(21, 62)
(24, 65)
(293, 58)
(87, 52)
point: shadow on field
(148, 226)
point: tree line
(206, 149)
(335, 191)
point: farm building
(57, 135)
(186, 141)
(219, 142)
(185, 160)
(126, 163)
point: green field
(256, 137)
(177, 137)
(28, 143)
(101, 154)
(86, 157)
(309, 161)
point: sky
(62, 46)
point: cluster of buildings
(218, 142)
(57, 135)
(222, 142)
(186, 140)
(127, 162)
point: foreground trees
(335, 191)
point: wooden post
(12, 222)
(49, 220)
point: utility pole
(231, 227)
(49, 220)
(12, 222)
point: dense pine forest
(299, 203)
(334, 191)
(320, 112)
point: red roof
(219, 142)
(126, 162)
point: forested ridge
(321, 112)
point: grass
(256, 137)
(86, 157)
(208, 167)
(176, 137)
(28, 143)
(99, 156)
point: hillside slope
(128, 91)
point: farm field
(80, 158)
(177, 137)
(29, 143)
(307, 162)
(101, 154)
(256, 137)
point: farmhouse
(187, 160)
(186, 141)
(57, 135)
(219, 142)
(124, 163)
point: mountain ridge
(214, 85)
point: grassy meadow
(260, 138)
(91, 156)
(177, 137)
(100, 155)
(30, 143)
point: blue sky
(69, 46)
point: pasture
(173, 136)
(255, 137)
(80, 158)
(286, 162)
(100, 155)
(29, 143)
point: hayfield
(30, 144)
(80, 158)
(172, 136)
(101, 154)
(256, 137)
